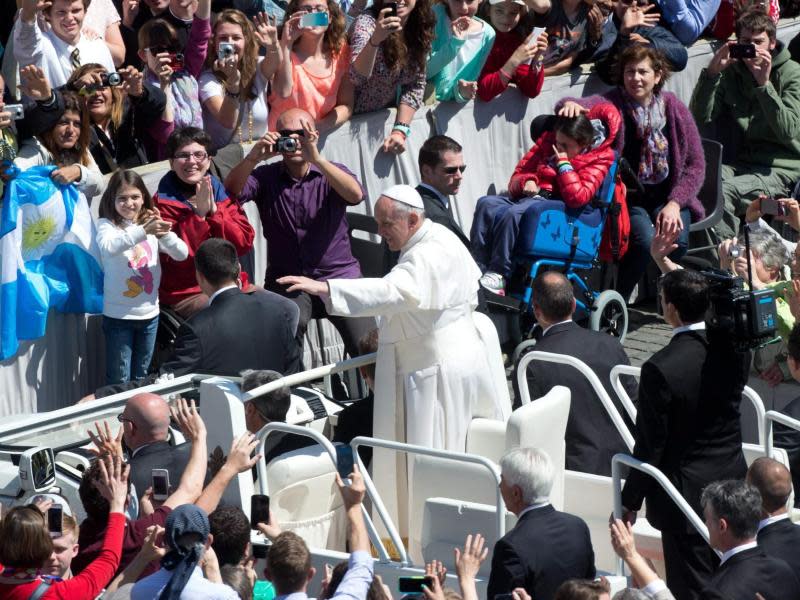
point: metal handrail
(424, 451)
(770, 418)
(622, 393)
(581, 366)
(616, 478)
(310, 375)
(261, 468)
(747, 392)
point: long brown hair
(24, 540)
(122, 178)
(78, 153)
(412, 48)
(117, 106)
(335, 35)
(248, 63)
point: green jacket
(441, 70)
(768, 116)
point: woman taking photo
(662, 147)
(120, 114)
(389, 57)
(233, 88)
(315, 61)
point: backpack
(617, 232)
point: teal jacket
(768, 116)
(441, 61)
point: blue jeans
(634, 263)
(494, 232)
(129, 348)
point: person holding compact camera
(751, 88)
(302, 201)
(234, 86)
(121, 107)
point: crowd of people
(110, 85)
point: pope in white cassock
(439, 362)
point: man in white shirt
(732, 511)
(62, 49)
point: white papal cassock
(439, 363)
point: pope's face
(393, 226)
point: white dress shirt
(770, 520)
(701, 326)
(735, 550)
(46, 50)
(219, 291)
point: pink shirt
(317, 95)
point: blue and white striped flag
(48, 256)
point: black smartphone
(260, 551)
(743, 51)
(413, 585)
(259, 510)
(504, 597)
(392, 6)
(55, 515)
(344, 461)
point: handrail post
(771, 417)
(616, 483)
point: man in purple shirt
(302, 201)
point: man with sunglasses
(636, 22)
(302, 200)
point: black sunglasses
(290, 132)
(453, 170)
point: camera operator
(302, 201)
(688, 426)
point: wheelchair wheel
(610, 315)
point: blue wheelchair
(555, 237)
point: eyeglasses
(311, 9)
(454, 170)
(123, 419)
(290, 132)
(199, 156)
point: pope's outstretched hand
(297, 283)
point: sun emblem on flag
(36, 233)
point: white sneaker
(494, 282)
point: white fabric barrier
(68, 362)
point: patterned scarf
(650, 120)
(185, 98)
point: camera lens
(114, 79)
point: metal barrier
(770, 419)
(582, 367)
(747, 392)
(616, 477)
(331, 451)
(423, 451)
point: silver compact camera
(17, 111)
(287, 144)
(225, 50)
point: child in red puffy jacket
(568, 163)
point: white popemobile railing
(747, 392)
(583, 368)
(770, 419)
(372, 492)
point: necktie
(75, 58)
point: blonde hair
(248, 62)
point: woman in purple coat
(660, 141)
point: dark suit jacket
(687, 424)
(750, 572)
(782, 540)
(591, 437)
(238, 331)
(789, 439)
(545, 549)
(436, 212)
(160, 455)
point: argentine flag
(48, 256)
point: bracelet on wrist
(402, 128)
(234, 95)
(373, 45)
(505, 74)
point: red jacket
(90, 582)
(578, 186)
(491, 83)
(229, 223)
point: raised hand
(239, 457)
(270, 530)
(204, 203)
(384, 27)
(104, 442)
(164, 71)
(132, 81)
(113, 484)
(721, 59)
(130, 9)
(352, 494)
(468, 562)
(189, 420)
(264, 148)
(308, 145)
(638, 17)
(266, 29)
(460, 26)
(34, 83)
(467, 89)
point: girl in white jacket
(130, 234)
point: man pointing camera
(302, 201)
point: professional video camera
(748, 316)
